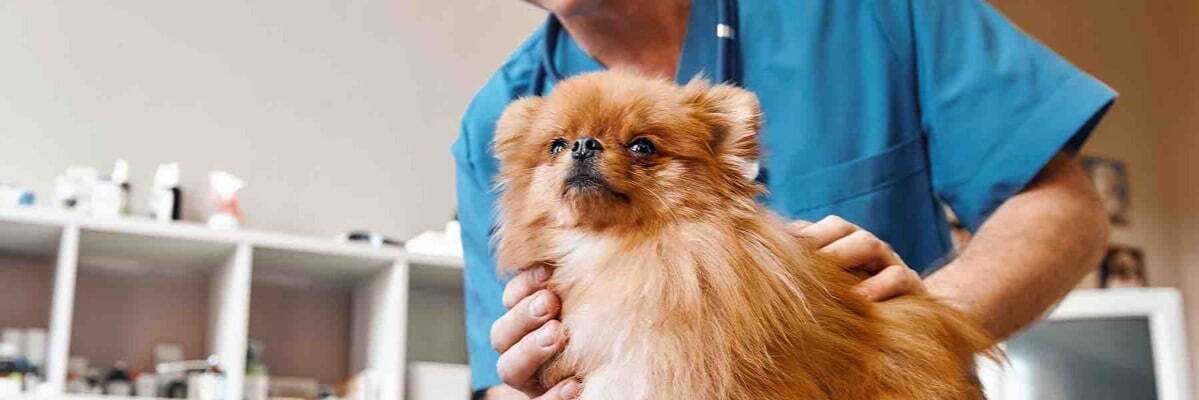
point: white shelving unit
(114, 288)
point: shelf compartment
(436, 332)
(37, 267)
(325, 315)
(27, 269)
(136, 289)
(26, 287)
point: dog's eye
(641, 147)
(557, 145)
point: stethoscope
(727, 68)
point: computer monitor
(1098, 345)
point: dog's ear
(513, 124)
(735, 118)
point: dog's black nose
(585, 148)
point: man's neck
(644, 36)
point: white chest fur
(616, 298)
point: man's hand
(527, 336)
(860, 251)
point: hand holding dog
(529, 334)
(861, 252)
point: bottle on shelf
(35, 358)
(145, 385)
(325, 392)
(208, 384)
(166, 197)
(257, 383)
(11, 370)
(110, 196)
(118, 382)
(172, 376)
(95, 380)
(76, 376)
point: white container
(16, 338)
(206, 386)
(35, 346)
(121, 388)
(10, 387)
(437, 381)
(257, 387)
(146, 385)
(107, 199)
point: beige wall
(1108, 40)
(338, 113)
(1147, 51)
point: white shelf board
(140, 251)
(317, 245)
(303, 267)
(436, 271)
(437, 260)
(29, 237)
(40, 228)
(83, 397)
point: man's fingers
(524, 284)
(796, 227)
(827, 230)
(568, 389)
(891, 282)
(504, 392)
(528, 315)
(520, 363)
(861, 250)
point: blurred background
(337, 116)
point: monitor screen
(1093, 359)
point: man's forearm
(1030, 252)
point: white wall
(338, 113)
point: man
(876, 111)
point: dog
(675, 283)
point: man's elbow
(1075, 206)
(1097, 236)
(1091, 222)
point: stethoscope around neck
(726, 71)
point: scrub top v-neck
(878, 111)
(698, 57)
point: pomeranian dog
(675, 283)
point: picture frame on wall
(1123, 267)
(1111, 181)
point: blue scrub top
(874, 111)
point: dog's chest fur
(629, 310)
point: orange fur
(676, 284)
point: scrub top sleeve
(996, 105)
(482, 288)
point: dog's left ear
(735, 118)
(513, 124)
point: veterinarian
(877, 112)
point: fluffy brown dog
(675, 283)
